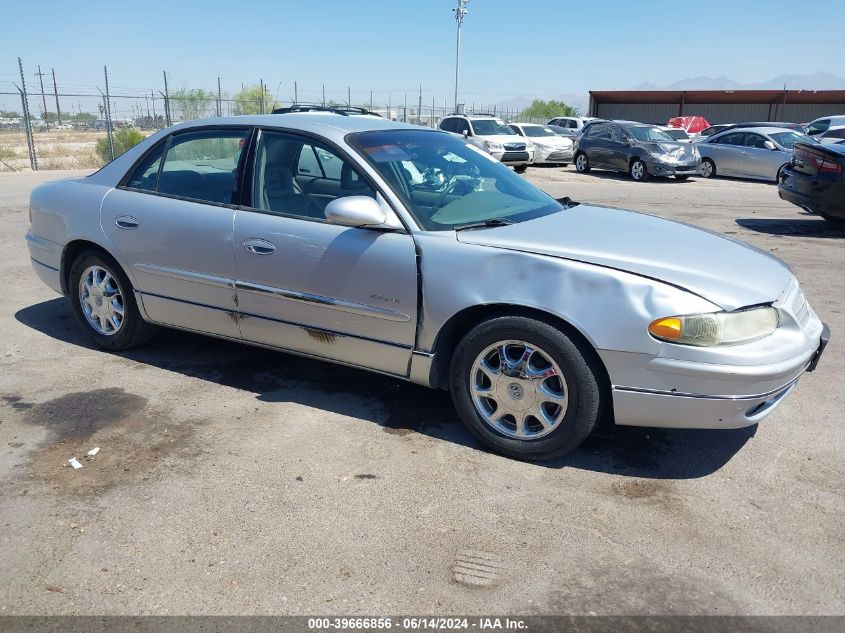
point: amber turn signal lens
(666, 328)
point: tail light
(822, 165)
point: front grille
(514, 156)
(684, 168)
(515, 147)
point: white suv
(491, 134)
(571, 122)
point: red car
(692, 124)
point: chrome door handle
(258, 246)
(126, 222)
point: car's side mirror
(355, 211)
(769, 145)
(466, 133)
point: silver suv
(493, 135)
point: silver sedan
(409, 252)
(758, 153)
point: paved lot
(236, 480)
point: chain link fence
(85, 129)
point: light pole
(460, 12)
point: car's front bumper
(709, 388)
(663, 168)
(512, 158)
(553, 155)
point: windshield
(536, 130)
(651, 134)
(446, 182)
(788, 139)
(489, 127)
(677, 133)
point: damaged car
(637, 149)
(412, 253)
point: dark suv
(638, 149)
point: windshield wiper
(485, 224)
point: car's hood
(553, 141)
(727, 272)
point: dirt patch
(16, 402)
(132, 438)
(640, 489)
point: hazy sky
(510, 48)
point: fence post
(166, 101)
(108, 114)
(30, 139)
(219, 99)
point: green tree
(549, 109)
(248, 101)
(123, 140)
(192, 103)
(83, 117)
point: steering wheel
(450, 186)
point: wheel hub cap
(101, 300)
(518, 390)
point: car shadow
(812, 226)
(398, 407)
(658, 180)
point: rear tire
(557, 381)
(582, 163)
(638, 171)
(708, 168)
(104, 303)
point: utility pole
(30, 140)
(460, 12)
(295, 93)
(40, 76)
(166, 101)
(324, 95)
(219, 99)
(348, 97)
(261, 83)
(56, 92)
(419, 108)
(108, 114)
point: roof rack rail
(316, 107)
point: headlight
(493, 146)
(716, 328)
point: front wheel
(708, 168)
(103, 303)
(582, 163)
(525, 389)
(520, 168)
(638, 171)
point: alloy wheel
(101, 300)
(518, 390)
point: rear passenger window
(203, 165)
(818, 127)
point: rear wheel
(582, 163)
(638, 170)
(780, 172)
(524, 388)
(520, 168)
(103, 303)
(708, 168)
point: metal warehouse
(717, 106)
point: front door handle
(127, 222)
(258, 246)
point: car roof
(317, 122)
(764, 130)
(531, 124)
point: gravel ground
(234, 480)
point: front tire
(638, 171)
(520, 168)
(582, 163)
(104, 304)
(708, 168)
(526, 389)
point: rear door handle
(258, 246)
(127, 222)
